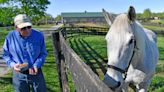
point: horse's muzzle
(110, 82)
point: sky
(113, 6)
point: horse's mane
(121, 23)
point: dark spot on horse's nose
(105, 60)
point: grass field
(92, 49)
(156, 28)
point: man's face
(25, 31)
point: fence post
(61, 67)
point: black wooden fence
(69, 31)
(84, 78)
(94, 31)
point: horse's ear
(131, 13)
(108, 17)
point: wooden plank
(85, 79)
(60, 63)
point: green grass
(161, 47)
(156, 28)
(92, 50)
(157, 21)
(3, 34)
(6, 83)
(157, 84)
(43, 26)
(50, 69)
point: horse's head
(120, 45)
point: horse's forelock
(121, 24)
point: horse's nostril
(105, 60)
(119, 84)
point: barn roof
(82, 14)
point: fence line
(95, 31)
(159, 32)
(84, 78)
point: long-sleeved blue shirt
(31, 49)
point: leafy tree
(7, 14)
(44, 19)
(147, 13)
(160, 15)
(33, 8)
(139, 16)
(58, 18)
(48, 18)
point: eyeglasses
(24, 28)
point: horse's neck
(146, 56)
(141, 43)
(140, 37)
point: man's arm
(41, 59)
(6, 54)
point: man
(25, 52)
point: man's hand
(20, 67)
(17, 67)
(33, 71)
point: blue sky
(114, 6)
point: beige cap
(22, 20)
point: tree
(139, 16)
(147, 13)
(7, 14)
(58, 18)
(47, 18)
(33, 8)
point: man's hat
(22, 20)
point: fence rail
(94, 31)
(159, 32)
(84, 78)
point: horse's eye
(131, 41)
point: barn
(82, 17)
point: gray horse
(132, 53)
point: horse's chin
(110, 82)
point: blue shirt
(31, 49)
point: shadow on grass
(82, 52)
(89, 55)
(51, 76)
(49, 90)
(95, 56)
(5, 80)
(161, 51)
(48, 62)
